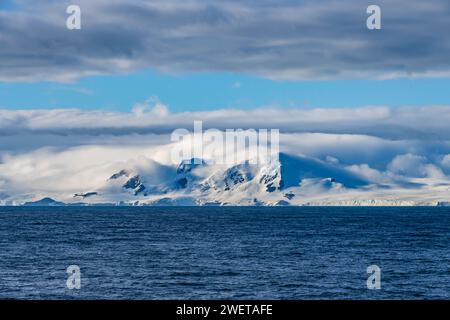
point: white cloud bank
(153, 116)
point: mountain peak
(121, 173)
(188, 165)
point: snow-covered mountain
(243, 183)
(288, 180)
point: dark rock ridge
(237, 175)
(45, 202)
(85, 195)
(188, 165)
(121, 173)
(135, 183)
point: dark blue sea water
(224, 252)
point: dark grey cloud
(275, 39)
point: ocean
(224, 252)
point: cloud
(412, 165)
(369, 174)
(152, 116)
(378, 133)
(74, 169)
(275, 39)
(152, 106)
(446, 161)
(236, 85)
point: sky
(77, 105)
(205, 55)
(207, 91)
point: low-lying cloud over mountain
(372, 155)
(284, 39)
